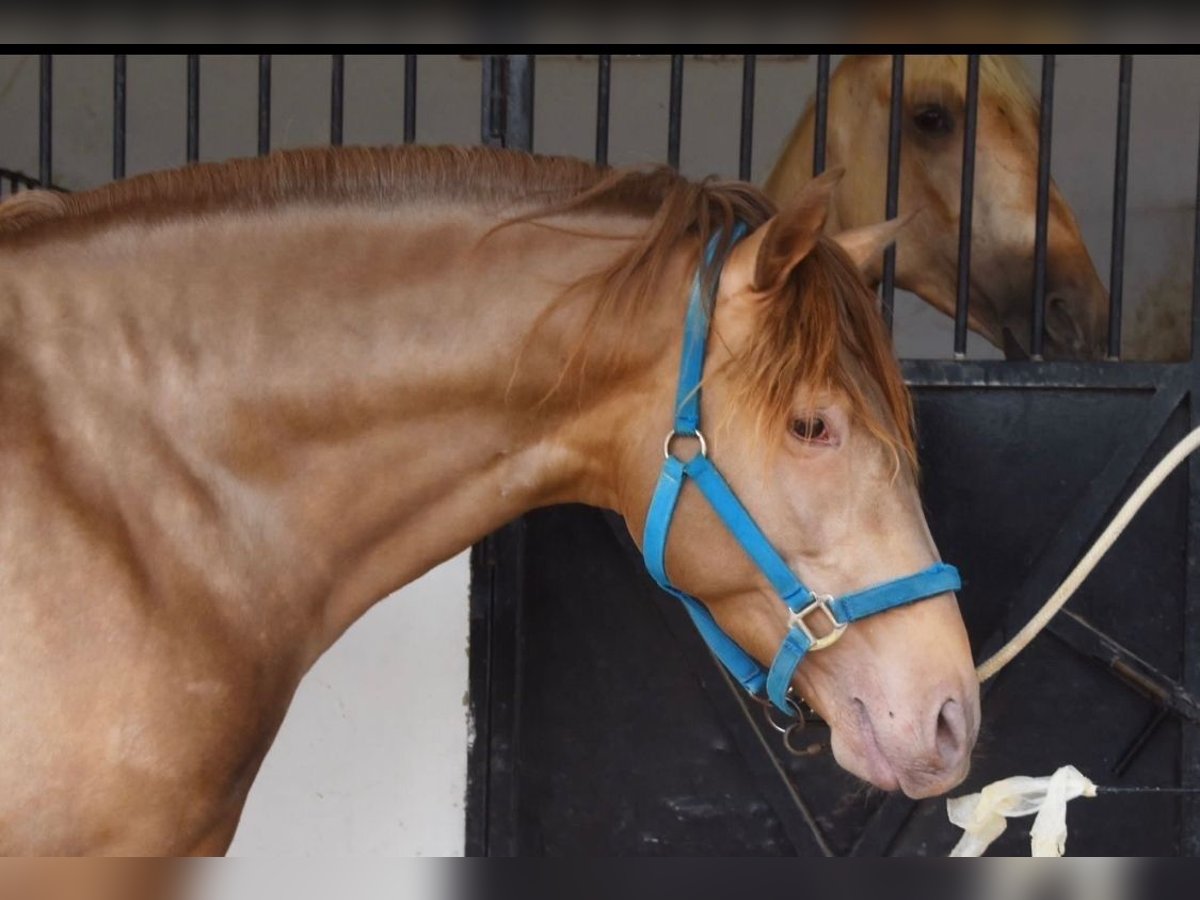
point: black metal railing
(500, 103)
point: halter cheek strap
(803, 604)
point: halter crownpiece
(805, 606)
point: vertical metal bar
(1040, 236)
(746, 146)
(337, 94)
(119, 106)
(966, 208)
(1120, 184)
(603, 101)
(1190, 737)
(193, 107)
(892, 202)
(492, 108)
(675, 110)
(518, 101)
(45, 116)
(264, 104)
(410, 97)
(821, 125)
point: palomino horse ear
(864, 245)
(768, 255)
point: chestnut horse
(242, 402)
(1003, 223)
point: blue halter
(802, 602)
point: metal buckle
(697, 434)
(820, 602)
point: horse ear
(768, 255)
(864, 245)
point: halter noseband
(803, 604)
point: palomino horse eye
(933, 119)
(810, 429)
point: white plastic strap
(982, 816)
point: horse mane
(826, 331)
(365, 176)
(818, 329)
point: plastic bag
(982, 816)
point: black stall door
(602, 726)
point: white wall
(371, 759)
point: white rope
(1157, 476)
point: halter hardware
(836, 628)
(801, 602)
(694, 433)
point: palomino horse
(1003, 223)
(243, 402)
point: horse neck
(341, 389)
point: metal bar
(1189, 750)
(1116, 278)
(337, 96)
(497, 586)
(119, 107)
(1158, 687)
(1003, 374)
(193, 107)
(603, 104)
(746, 145)
(492, 107)
(518, 101)
(675, 110)
(966, 208)
(410, 97)
(264, 104)
(821, 123)
(892, 203)
(45, 119)
(1040, 236)
(1135, 747)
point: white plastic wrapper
(982, 816)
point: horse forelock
(821, 330)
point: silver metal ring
(697, 434)
(771, 713)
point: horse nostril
(951, 735)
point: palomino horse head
(810, 422)
(1004, 217)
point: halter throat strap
(804, 606)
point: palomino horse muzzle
(805, 606)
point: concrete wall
(371, 759)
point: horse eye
(811, 429)
(933, 119)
